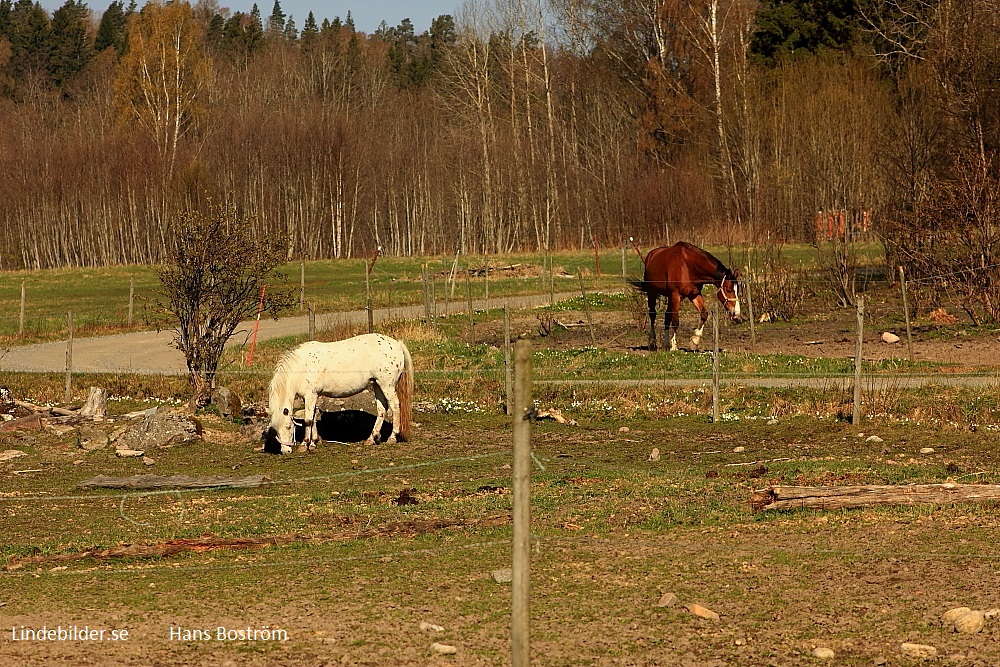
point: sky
(367, 14)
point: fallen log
(147, 482)
(841, 497)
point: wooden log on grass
(842, 497)
(152, 482)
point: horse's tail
(404, 392)
(637, 284)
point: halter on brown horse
(679, 272)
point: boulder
(89, 438)
(227, 402)
(159, 429)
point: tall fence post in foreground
(131, 298)
(302, 284)
(508, 382)
(715, 364)
(906, 314)
(69, 356)
(521, 491)
(20, 321)
(856, 415)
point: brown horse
(679, 272)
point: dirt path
(152, 353)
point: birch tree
(163, 76)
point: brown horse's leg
(672, 319)
(651, 299)
(699, 303)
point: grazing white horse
(340, 369)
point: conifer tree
(111, 31)
(72, 48)
(276, 22)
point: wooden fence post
(508, 371)
(624, 275)
(521, 492)
(856, 415)
(302, 284)
(747, 284)
(906, 314)
(368, 299)
(715, 364)
(468, 304)
(20, 324)
(131, 298)
(586, 308)
(69, 357)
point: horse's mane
(281, 373)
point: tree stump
(96, 407)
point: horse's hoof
(286, 449)
(391, 440)
(370, 442)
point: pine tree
(30, 35)
(111, 31)
(72, 48)
(276, 22)
(309, 30)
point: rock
(9, 454)
(889, 338)
(504, 576)
(148, 461)
(443, 649)
(29, 423)
(918, 650)
(129, 453)
(424, 625)
(948, 618)
(702, 612)
(227, 402)
(623, 429)
(874, 438)
(59, 429)
(654, 455)
(927, 450)
(90, 438)
(667, 600)
(772, 422)
(159, 429)
(970, 623)
(739, 450)
(824, 653)
(991, 613)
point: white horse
(340, 369)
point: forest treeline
(513, 125)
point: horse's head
(280, 434)
(729, 293)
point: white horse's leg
(394, 411)
(672, 319)
(380, 405)
(699, 303)
(310, 417)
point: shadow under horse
(679, 272)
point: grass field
(350, 548)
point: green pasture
(349, 571)
(98, 298)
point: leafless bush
(778, 289)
